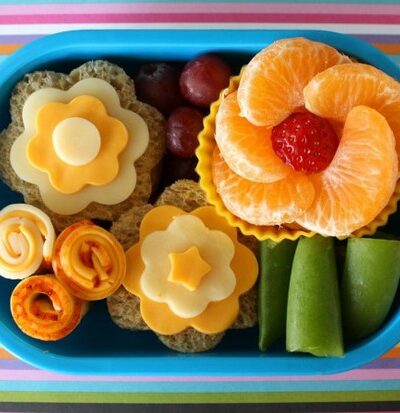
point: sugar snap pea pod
(313, 316)
(275, 263)
(370, 280)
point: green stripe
(295, 397)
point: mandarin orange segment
(247, 149)
(262, 203)
(271, 85)
(360, 180)
(335, 91)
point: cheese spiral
(89, 261)
(44, 309)
(26, 240)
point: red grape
(158, 85)
(184, 124)
(203, 78)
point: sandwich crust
(147, 166)
(124, 307)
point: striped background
(375, 387)
(377, 381)
(378, 24)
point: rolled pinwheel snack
(89, 261)
(44, 309)
(313, 315)
(26, 241)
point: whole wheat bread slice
(147, 166)
(124, 307)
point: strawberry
(305, 141)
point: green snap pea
(314, 314)
(275, 266)
(370, 280)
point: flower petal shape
(218, 315)
(66, 177)
(335, 91)
(215, 247)
(271, 86)
(110, 194)
(273, 203)
(246, 148)
(360, 180)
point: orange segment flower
(61, 164)
(255, 189)
(211, 306)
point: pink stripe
(293, 8)
(38, 375)
(199, 18)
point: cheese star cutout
(188, 268)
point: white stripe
(13, 29)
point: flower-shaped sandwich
(79, 146)
(305, 139)
(188, 269)
(27, 240)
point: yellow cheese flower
(79, 146)
(80, 140)
(189, 270)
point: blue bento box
(98, 346)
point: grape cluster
(182, 96)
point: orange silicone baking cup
(204, 154)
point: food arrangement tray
(98, 346)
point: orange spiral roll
(44, 309)
(89, 261)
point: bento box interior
(97, 335)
